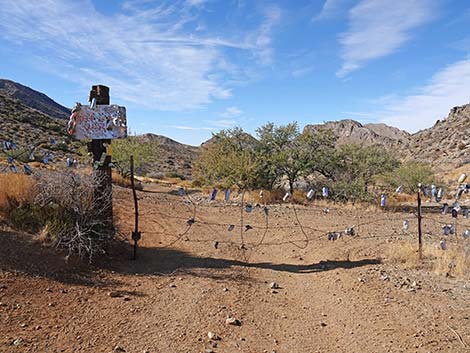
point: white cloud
(191, 128)
(447, 88)
(148, 54)
(231, 112)
(330, 9)
(222, 123)
(378, 28)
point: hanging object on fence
(98, 122)
(10, 159)
(261, 194)
(466, 234)
(13, 168)
(248, 227)
(325, 192)
(465, 212)
(286, 196)
(216, 244)
(399, 189)
(459, 193)
(326, 210)
(406, 225)
(448, 229)
(213, 195)
(180, 192)
(443, 244)
(231, 227)
(248, 208)
(227, 195)
(445, 207)
(462, 178)
(350, 231)
(440, 194)
(433, 191)
(190, 221)
(333, 236)
(27, 169)
(383, 200)
(310, 194)
(455, 213)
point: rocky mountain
(446, 144)
(33, 99)
(350, 131)
(171, 159)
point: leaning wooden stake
(420, 239)
(136, 235)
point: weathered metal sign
(100, 122)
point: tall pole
(420, 239)
(136, 235)
(101, 161)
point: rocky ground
(193, 289)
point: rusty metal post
(102, 161)
(136, 235)
(420, 240)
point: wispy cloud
(148, 53)
(378, 28)
(330, 9)
(231, 112)
(191, 128)
(447, 88)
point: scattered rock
(119, 349)
(126, 299)
(172, 285)
(323, 324)
(274, 285)
(225, 289)
(18, 342)
(233, 321)
(212, 336)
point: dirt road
(333, 296)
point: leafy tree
(123, 149)
(229, 159)
(410, 174)
(286, 152)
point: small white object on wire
(181, 191)
(227, 195)
(443, 244)
(286, 196)
(231, 227)
(310, 194)
(248, 208)
(466, 234)
(465, 212)
(445, 207)
(440, 194)
(448, 229)
(326, 210)
(383, 200)
(261, 194)
(333, 236)
(93, 103)
(190, 221)
(462, 178)
(406, 225)
(325, 192)
(399, 189)
(350, 231)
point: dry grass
(15, 190)
(118, 179)
(455, 261)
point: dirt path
(333, 296)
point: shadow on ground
(165, 261)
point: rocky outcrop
(350, 131)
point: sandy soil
(333, 296)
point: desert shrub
(63, 206)
(409, 175)
(123, 149)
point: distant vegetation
(282, 156)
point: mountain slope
(350, 131)
(33, 99)
(446, 144)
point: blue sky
(187, 68)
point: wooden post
(136, 235)
(102, 171)
(420, 240)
